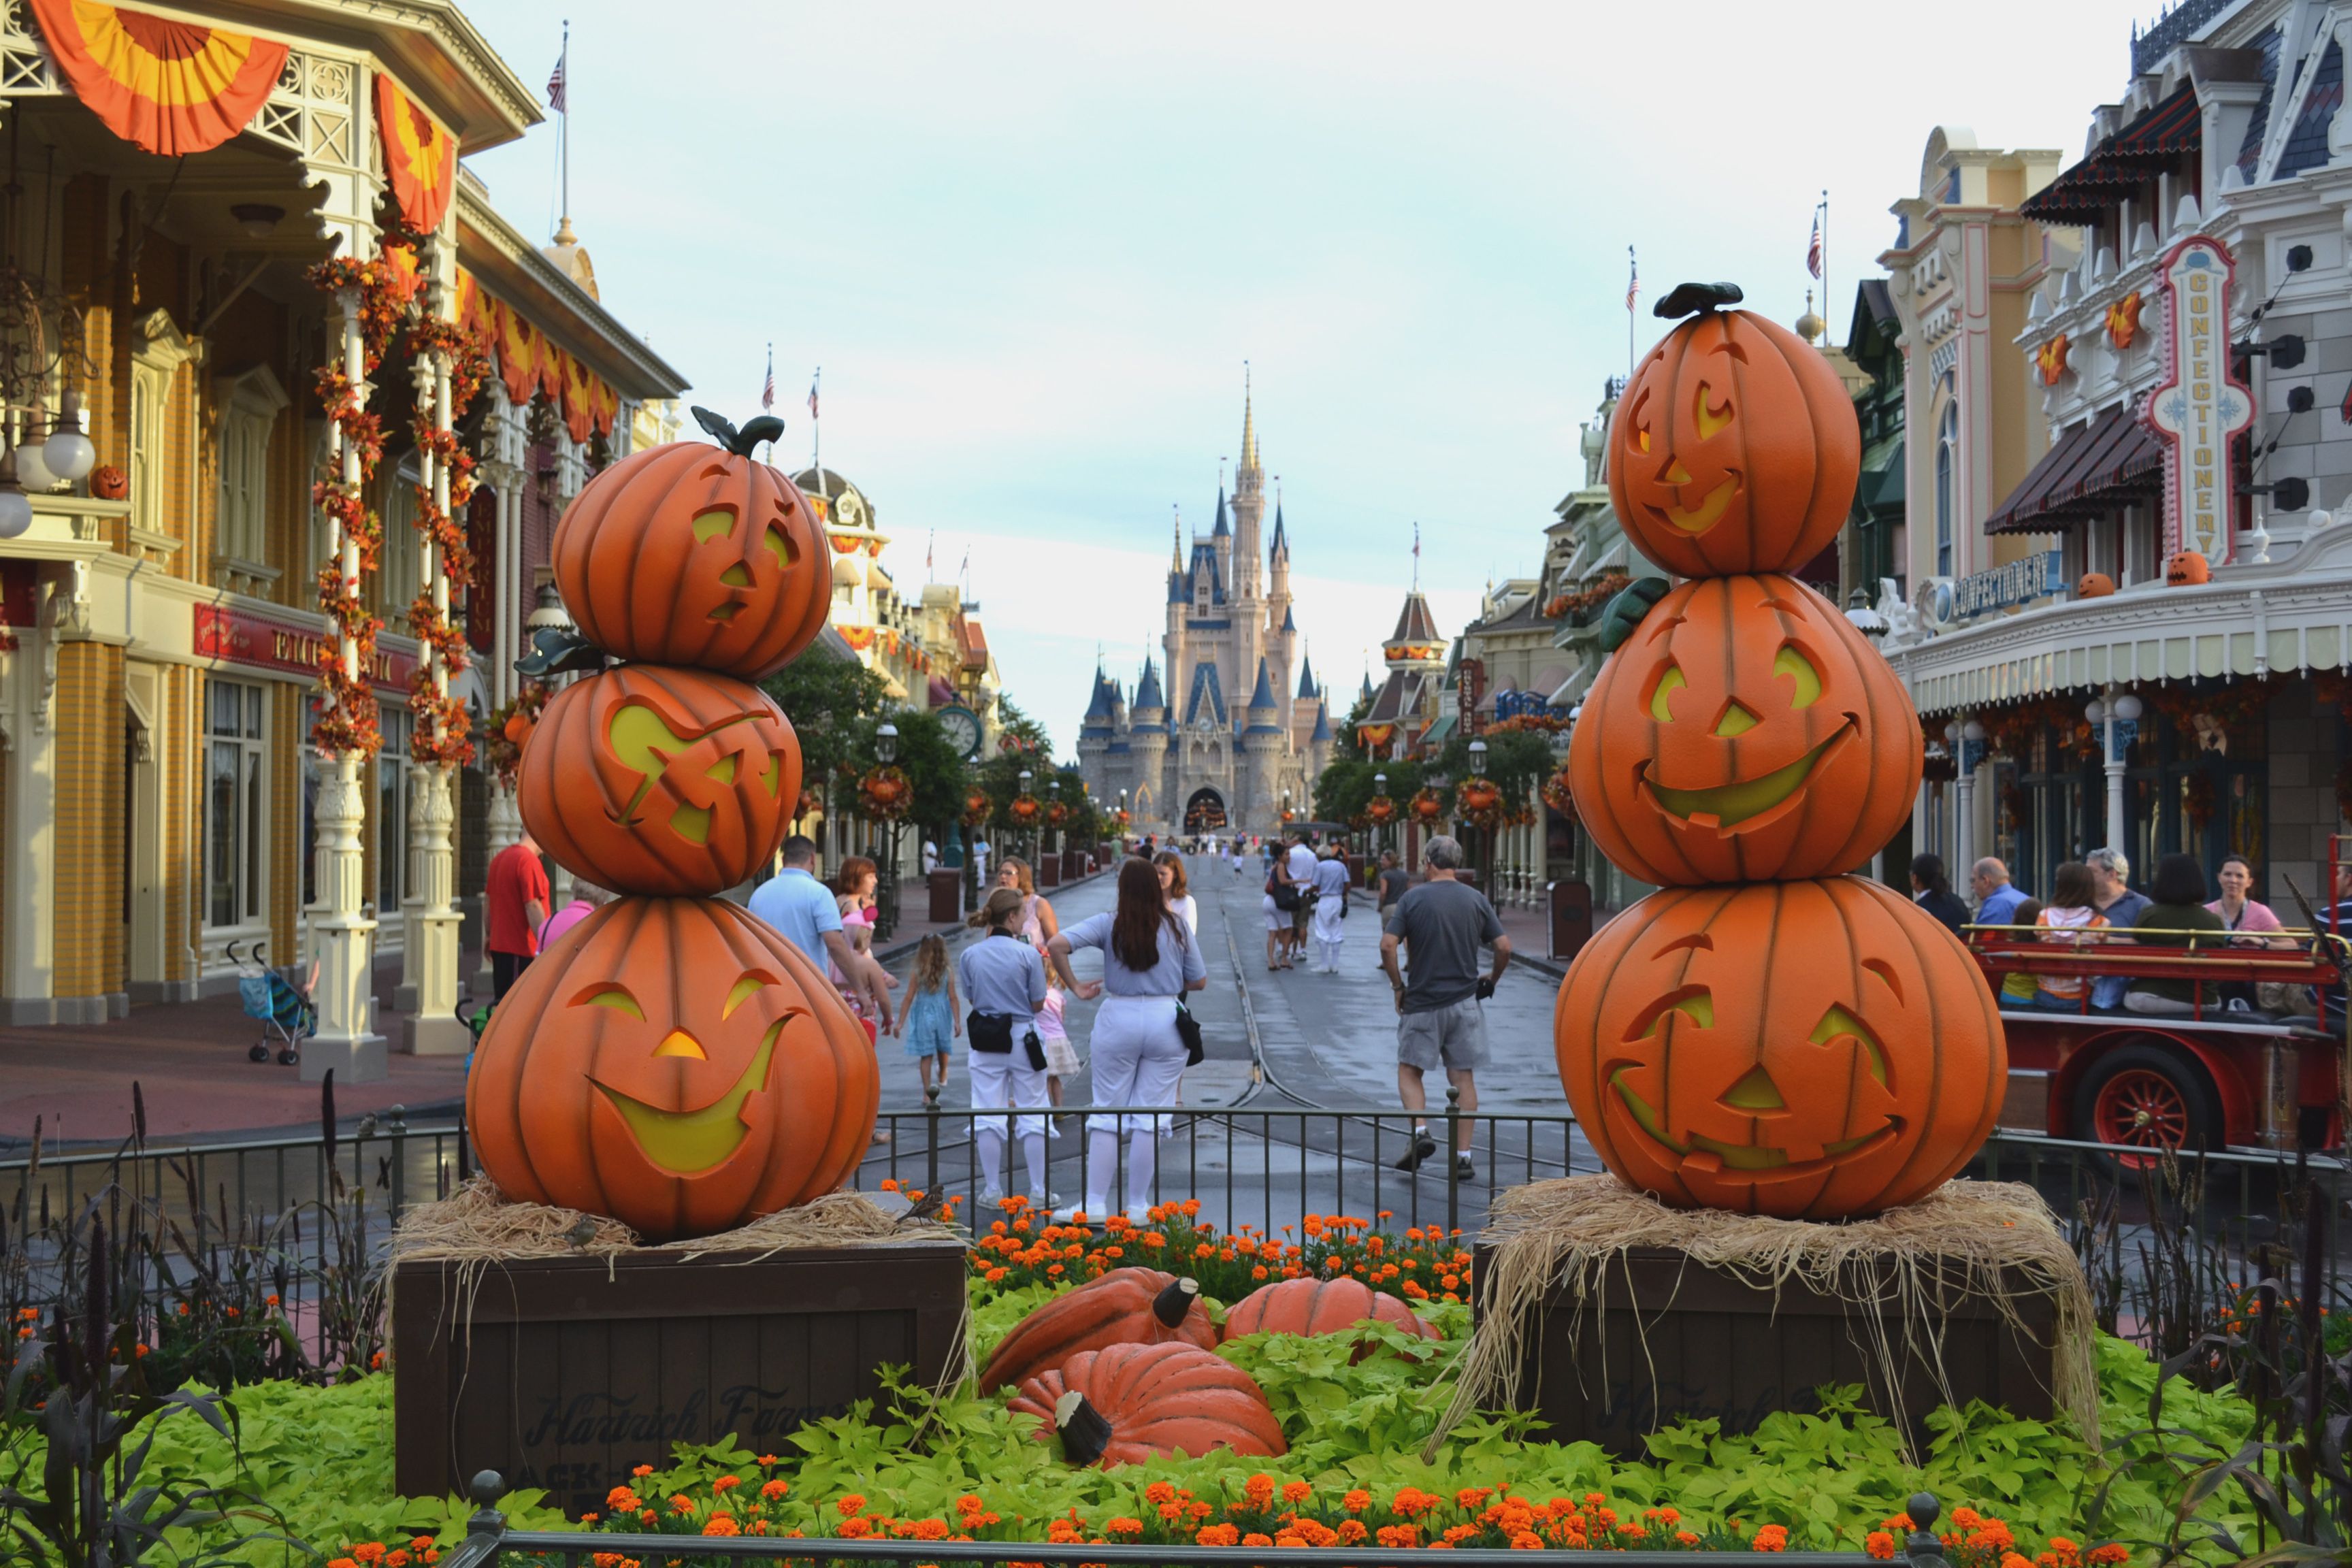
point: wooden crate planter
(571, 1370)
(1677, 1340)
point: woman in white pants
(1330, 907)
(1004, 982)
(1150, 961)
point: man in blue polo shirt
(1997, 895)
(806, 912)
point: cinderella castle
(1229, 727)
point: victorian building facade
(163, 799)
(2140, 641)
(1229, 729)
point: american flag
(1813, 251)
(555, 83)
(1632, 280)
(768, 391)
(812, 380)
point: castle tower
(1098, 730)
(1147, 747)
(1299, 718)
(1282, 626)
(1319, 744)
(1262, 753)
(1249, 505)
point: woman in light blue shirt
(1003, 980)
(1150, 961)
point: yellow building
(162, 800)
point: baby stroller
(283, 1010)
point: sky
(1033, 247)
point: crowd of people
(2092, 901)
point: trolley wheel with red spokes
(2147, 1096)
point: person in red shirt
(516, 898)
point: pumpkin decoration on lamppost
(1429, 806)
(1025, 809)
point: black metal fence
(488, 1541)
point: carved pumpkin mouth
(689, 1143)
(1710, 510)
(1728, 806)
(1705, 1156)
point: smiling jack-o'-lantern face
(1734, 448)
(2187, 569)
(659, 781)
(676, 1063)
(1743, 731)
(689, 554)
(1804, 1050)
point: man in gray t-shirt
(1444, 922)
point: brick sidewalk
(189, 1060)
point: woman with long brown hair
(1150, 961)
(1037, 926)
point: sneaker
(1463, 1170)
(1139, 1217)
(1424, 1146)
(1072, 1215)
(989, 1199)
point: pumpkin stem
(1696, 299)
(1085, 1432)
(1172, 1303)
(766, 427)
(556, 650)
(719, 428)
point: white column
(503, 821)
(28, 753)
(2113, 752)
(431, 955)
(342, 937)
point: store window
(398, 562)
(391, 810)
(1947, 445)
(249, 411)
(236, 843)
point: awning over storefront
(2086, 472)
(2152, 142)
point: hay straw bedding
(478, 1223)
(1909, 1264)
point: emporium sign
(2018, 583)
(262, 642)
(2200, 406)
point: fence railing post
(1922, 1548)
(931, 1140)
(398, 1130)
(485, 1531)
(1452, 1158)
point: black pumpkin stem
(1086, 1431)
(1172, 1303)
(558, 650)
(1685, 299)
(740, 443)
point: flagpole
(1633, 276)
(1826, 308)
(563, 125)
(816, 438)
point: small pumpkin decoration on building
(1321, 1307)
(1809, 1050)
(108, 482)
(1734, 446)
(661, 781)
(1126, 1403)
(690, 554)
(2185, 570)
(1379, 811)
(1745, 730)
(1125, 1306)
(2094, 585)
(676, 1063)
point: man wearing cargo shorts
(1439, 1019)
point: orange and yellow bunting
(173, 88)
(2123, 320)
(420, 156)
(2051, 357)
(858, 637)
(1375, 736)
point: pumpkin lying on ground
(1126, 1403)
(1321, 1307)
(1126, 1306)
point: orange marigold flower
(1123, 1526)
(969, 1503)
(1459, 1533)
(642, 1471)
(774, 1487)
(930, 1530)
(332, 1562)
(1296, 1491)
(1258, 1273)
(1159, 1491)
(1879, 1544)
(2013, 1560)
(1524, 1541)
(621, 1499)
(1259, 1490)
(1217, 1535)
(1770, 1538)
(2101, 1556)
(1357, 1500)
(1254, 1539)
(1472, 1497)
(857, 1529)
(681, 1503)
(1351, 1533)
(721, 1524)
(369, 1551)
(850, 1506)
(725, 1484)
(1965, 1517)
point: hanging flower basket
(1056, 815)
(1430, 805)
(1379, 811)
(976, 808)
(1025, 809)
(510, 725)
(886, 794)
(1555, 794)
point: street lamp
(1486, 869)
(886, 747)
(1026, 776)
(1381, 787)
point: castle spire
(1249, 425)
(1176, 539)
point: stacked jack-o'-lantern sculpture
(1765, 1034)
(672, 1061)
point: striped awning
(2088, 471)
(2119, 164)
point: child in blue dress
(930, 1019)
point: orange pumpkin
(676, 1063)
(691, 554)
(1743, 731)
(1810, 1050)
(1321, 1307)
(1734, 448)
(108, 482)
(2187, 569)
(1125, 1404)
(667, 782)
(2094, 585)
(1125, 1306)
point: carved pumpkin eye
(1670, 682)
(1839, 1024)
(753, 981)
(779, 544)
(1791, 662)
(611, 995)
(1710, 421)
(711, 524)
(1695, 1003)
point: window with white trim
(249, 406)
(236, 799)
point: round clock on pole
(962, 727)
